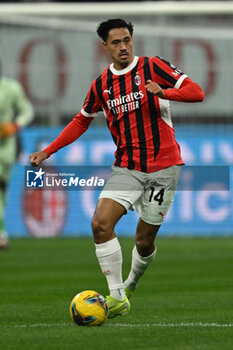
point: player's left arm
(170, 83)
(187, 92)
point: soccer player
(15, 113)
(134, 93)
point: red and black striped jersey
(140, 123)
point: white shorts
(150, 193)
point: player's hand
(154, 88)
(7, 129)
(37, 157)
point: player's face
(120, 47)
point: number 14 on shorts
(156, 196)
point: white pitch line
(42, 325)
(172, 325)
(131, 325)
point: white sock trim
(146, 259)
(107, 248)
(138, 267)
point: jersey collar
(125, 70)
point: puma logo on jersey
(108, 91)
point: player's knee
(95, 224)
(100, 227)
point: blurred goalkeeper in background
(15, 113)
(134, 93)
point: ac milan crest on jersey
(137, 80)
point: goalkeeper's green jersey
(14, 107)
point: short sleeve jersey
(140, 123)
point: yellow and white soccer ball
(89, 308)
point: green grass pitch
(184, 301)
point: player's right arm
(69, 134)
(37, 157)
(73, 130)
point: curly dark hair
(104, 27)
